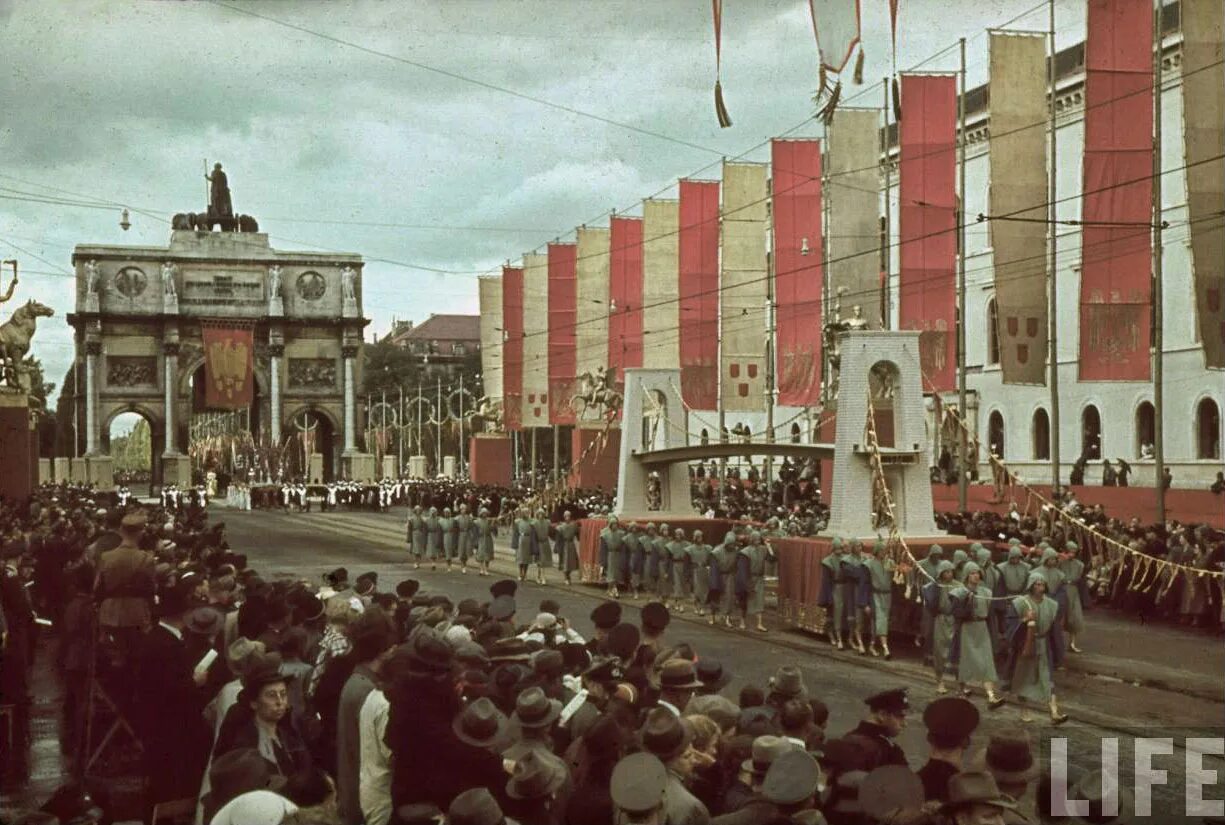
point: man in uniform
(875, 735)
(950, 720)
(605, 616)
(638, 788)
(125, 586)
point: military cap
(951, 718)
(889, 701)
(606, 615)
(605, 670)
(503, 587)
(793, 777)
(655, 616)
(502, 608)
(638, 783)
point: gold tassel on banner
(725, 119)
(858, 76)
(827, 111)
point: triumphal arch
(224, 345)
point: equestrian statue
(15, 335)
(597, 393)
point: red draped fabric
(928, 229)
(512, 346)
(798, 274)
(1116, 261)
(228, 356)
(563, 316)
(625, 295)
(699, 293)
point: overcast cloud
(123, 101)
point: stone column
(170, 358)
(92, 350)
(275, 353)
(350, 354)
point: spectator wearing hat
(678, 679)
(795, 721)
(950, 720)
(366, 587)
(972, 651)
(875, 735)
(536, 789)
(260, 719)
(240, 771)
(293, 652)
(655, 620)
(126, 585)
(605, 616)
(592, 760)
(532, 723)
(639, 788)
(791, 787)
(713, 676)
(974, 799)
(668, 738)
(744, 793)
(373, 636)
(786, 684)
(1009, 758)
(476, 806)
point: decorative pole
(1052, 252)
(963, 479)
(1158, 271)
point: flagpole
(1158, 272)
(962, 479)
(886, 321)
(438, 431)
(462, 442)
(383, 433)
(1052, 252)
(400, 435)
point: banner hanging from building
(229, 351)
(1116, 207)
(535, 340)
(854, 210)
(742, 351)
(795, 184)
(591, 310)
(1203, 114)
(563, 315)
(660, 285)
(698, 261)
(489, 293)
(928, 227)
(625, 295)
(1019, 189)
(512, 347)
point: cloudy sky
(336, 137)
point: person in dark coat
(950, 720)
(874, 735)
(260, 719)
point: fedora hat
(482, 724)
(264, 669)
(679, 674)
(237, 772)
(204, 621)
(240, 654)
(535, 710)
(712, 675)
(664, 735)
(976, 788)
(1009, 758)
(429, 653)
(475, 806)
(765, 750)
(536, 776)
(788, 681)
(890, 788)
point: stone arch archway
(325, 427)
(157, 441)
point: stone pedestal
(100, 470)
(448, 466)
(20, 462)
(276, 305)
(416, 466)
(62, 467)
(391, 466)
(176, 469)
(45, 473)
(315, 467)
(78, 473)
(358, 466)
(489, 459)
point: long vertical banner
(1019, 189)
(660, 284)
(625, 295)
(591, 333)
(743, 287)
(1116, 240)
(489, 292)
(563, 314)
(1203, 113)
(698, 261)
(229, 351)
(928, 228)
(535, 340)
(854, 211)
(796, 193)
(512, 347)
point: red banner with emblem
(563, 316)
(928, 228)
(229, 352)
(699, 293)
(1116, 240)
(625, 295)
(798, 275)
(512, 347)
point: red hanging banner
(699, 293)
(563, 316)
(798, 274)
(512, 347)
(928, 228)
(228, 357)
(1116, 260)
(625, 295)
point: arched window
(993, 333)
(1091, 433)
(995, 433)
(1208, 430)
(795, 433)
(1042, 435)
(1146, 430)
